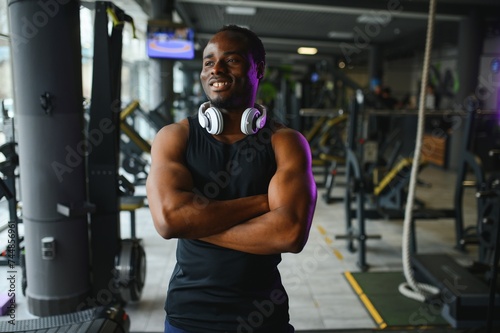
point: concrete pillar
(375, 63)
(162, 70)
(470, 44)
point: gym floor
(321, 299)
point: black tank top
(215, 289)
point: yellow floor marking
(366, 301)
(338, 254)
(321, 230)
(329, 242)
(316, 304)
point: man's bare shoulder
(174, 131)
(290, 147)
(286, 135)
(171, 139)
(178, 127)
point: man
(237, 191)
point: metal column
(46, 58)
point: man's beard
(229, 103)
(221, 103)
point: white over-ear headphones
(252, 119)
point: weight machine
(326, 141)
(133, 147)
(375, 195)
(8, 169)
(469, 296)
(471, 164)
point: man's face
(229, 75)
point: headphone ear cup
(248, 121)
(215, 122)
(210, 119)
(261, 121)
(253, 119)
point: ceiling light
(237, 10)
(307, 50)
(374, 18)
(341, 34)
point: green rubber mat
(378, 291)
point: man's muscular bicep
(292, 190)
(169, 182)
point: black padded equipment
(465, 297)
(96, 320)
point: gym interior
(399, 101)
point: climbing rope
(411, 288)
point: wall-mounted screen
(170, 41)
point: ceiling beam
(398, 11)
(145, 5)
(285, 41)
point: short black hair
(256, 47)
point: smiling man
(236, 189)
